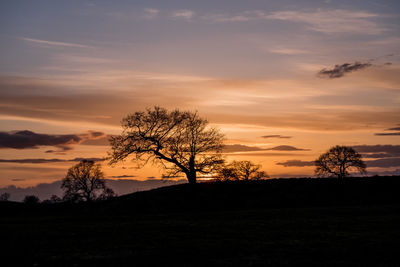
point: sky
(283, 80)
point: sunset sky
(285, 79)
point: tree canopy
(241, 170)
(179, 141)
(85, 182)
(338, 161)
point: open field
(314, 222)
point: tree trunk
(191, 176)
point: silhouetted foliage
(241, 170)
(4, 197)
(31, 199)
(338, 161)
(179, 141)
(53, 199)
(107, 194)
(85, 182)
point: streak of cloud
(287, 148)
(395, 131)
(39, 161)
(122, 176)
(296, 163)
(384, 163)
(151, 13)
(240, 148)
(331, 21)
(387, 134)
(276, 136)
(184, 13)
(54, 43)
(244, 148)
(378, 163)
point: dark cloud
(378, 151)
(287, 148)
(244, 148)
(37, 161)
(386, 156)
(340, 70)
(388, 134)
(276, 136)
(393, 129)
(101, 141)
(296, 163)
(122, 176)
(380, 155)
(240, 148)
(384, 163)
(386, 173)
(28, 139)
(378, 163)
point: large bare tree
(338, 161)
(179, 141)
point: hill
(282, 222)
(120, 186)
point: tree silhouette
(4, 197)
(241, 170)
(84, 182)
(52, 200)
(178, 141)
(338, 161)
(31, 199)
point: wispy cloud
(53, 43)
(333, 20)
(320, 20)
(288, 51)
(151, 13)
(240, 17)
(184, 13)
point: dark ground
(287, 222)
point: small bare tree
(242, 170)
(178, 141)
(338, 161)
(5, 196)
(31, 200)
(84, 182)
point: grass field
(134, 231)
